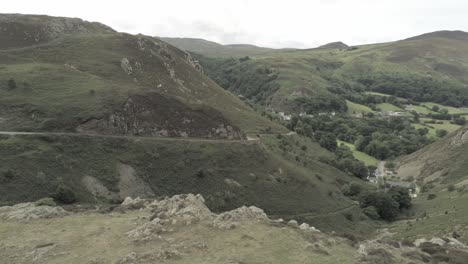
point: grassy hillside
(440, 164)
(105, 81)
(228, 174)
(440, 172)
(434, 65)
(213, 49)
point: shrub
(353, 189)
(64, 194)
(441, 133)
(431, 196)
(451, 188)
(11, 84)
(45, 202)
(7, 176)
(371, 212)
(200, 174)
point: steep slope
(440, 173)
(213, 49)
(118, 115)
(111, 83)
(427, 68)
(445, 162)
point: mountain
(334, 45)
(99, 80)
(445, 34)
(213, 49)
(429, 68)
(92, 115)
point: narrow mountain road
(314, 215)
(71, 134)
(15, 133)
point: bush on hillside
(371, 212)
(352, 189)
(64, 194)
(441, 133)
(11, 84)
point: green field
(390, 107)
(368, 160)
(422, 110)
(354, 108)
(378, 94)
(451, 110)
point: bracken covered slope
(68, 74)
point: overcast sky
(270, 23)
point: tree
(401, 195)
(328, 141)
(435, 108)
(353, 189)
(11, 84)
(386, 206)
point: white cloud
(298, 23)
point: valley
(183, 150)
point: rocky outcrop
(30, 211)
(24, 30)
(126, 67)
(173, 212)
(157, 115)
(194, 63)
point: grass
(421, 110)
(432, 218)
(280, 184)
(354, 108)
(78, 77)
(451, 110)
(433, 127)
(390, 107)
(367, 159)
(377, 94)
(311, 72)
(250, 242)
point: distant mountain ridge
(455, 34)
(210, 48)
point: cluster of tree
(242, 77)
(417, 88)
(326, 102)
(380, 204)
(373, 100)
(380, 138)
